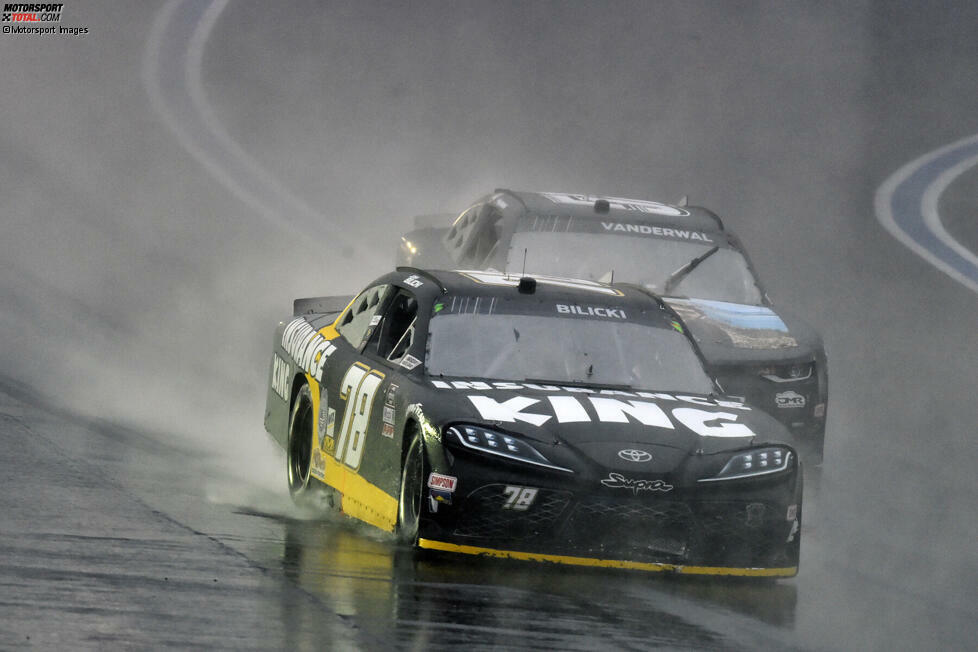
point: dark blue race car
(764, 355)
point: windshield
(723, 276)
(556, 349)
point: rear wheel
(299, 453)
(412, 486)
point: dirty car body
(557, 420)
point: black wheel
(299, 454)
(412, 486)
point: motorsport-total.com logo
(32, 13)
(26, 15)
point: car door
(349, 383)
(387, 355)
(361, 386)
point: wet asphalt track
(148, 249)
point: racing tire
(299, 451)
(409, 503)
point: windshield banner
(637, 227)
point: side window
(457, 237)
(473, 237)
(360, 317)
(395, 335)
(484, 239)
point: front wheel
(412, 486)
(299, 452)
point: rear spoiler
(434, 220)
(320, 305)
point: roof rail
(423, 272)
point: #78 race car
(533, 418)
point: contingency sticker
(789, 399)
(441, 487)
(327, 421)
(410, 362)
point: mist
(145, 261)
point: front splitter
(653, 567)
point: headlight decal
(502, 445)
(754, 463)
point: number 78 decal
(358, 388)
(519, 498)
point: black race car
(769, 358)
(531, 418)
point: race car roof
(616, 208)
(540, 288)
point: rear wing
(320, 305)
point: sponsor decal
(388, 414)
(635, 455)
(308, 348)
(387, 430)
(330, 422)
(318, 463)
(391, 395)
(519, 498)
(323, 422)
(442, 482)
(662, 231)
(676, 325)
(374, 320)
(481, 385)
(792, 513)
(789, 399)
(793, 532)
(441, 487)
(329, 442)
(619, 203)
(618, 481)
(570, 409)
(281, 372)
(591, 311)
(414, 281)
(819, 411)
(409, 362)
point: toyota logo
(633, 455)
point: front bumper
(740, 527)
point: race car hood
(736, 333)
(596, 421)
